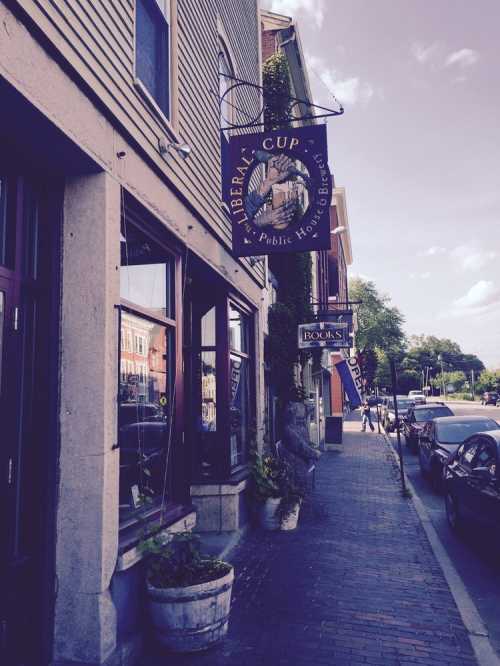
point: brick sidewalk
(356, 583)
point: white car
(418, 397)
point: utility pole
(473, 387)
(396, 414)
(443, 388)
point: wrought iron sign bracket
(240, 89)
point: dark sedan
(472, 483)
(440, 439)
(418, 416)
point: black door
(28, 399)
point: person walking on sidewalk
(366, 417)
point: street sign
(324, 334)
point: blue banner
(352, 381)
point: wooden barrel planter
(189, 619)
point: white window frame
(169, 10)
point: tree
(489, 380)
(379, 324)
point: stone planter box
(269, 518)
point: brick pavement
(356, 583)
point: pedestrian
(366, 417)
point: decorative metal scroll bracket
(250, 95)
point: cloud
(423, 53)
(480, 297)
(462, 58)
(472, 259)
(420, 276)
(348, 90)
(313, 9)
(433, 251)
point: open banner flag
(350, 374)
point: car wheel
(453, 515)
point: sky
(418, 151)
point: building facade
(131, 364)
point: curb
(478, 633)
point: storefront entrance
(29, 220)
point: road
(472, 556)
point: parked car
(418, 416)
(472, 483)
(388, 415)
(490, 398)
(441, 438)
(418, 397)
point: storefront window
(239, 393)
(208, 392)
(147, 376)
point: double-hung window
(152, 51)
(148, 375)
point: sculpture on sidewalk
(296, 446)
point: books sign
(324, 334)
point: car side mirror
(482, 473)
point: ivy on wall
(276, 84)
(293, 271)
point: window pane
(208, 329)
(145, 285)
(147, 273)
(208, 392)
(239, 408)
(7, 227)
(152, 51)
(146, 372)
(30, 240)
(238, 334)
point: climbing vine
(293, 271)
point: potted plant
(188, 593)
(277, 497)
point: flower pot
(189, 619)
(291, 520)
(268, 514)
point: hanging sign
(324, 334)
(278, 189)
(352, 381)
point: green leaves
(276, 84)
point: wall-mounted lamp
(256, 260)
(337, 230)
(182, 149)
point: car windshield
(404, 404)
(456, 432)
(422, 415)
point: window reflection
(237, 331)
(143, 411)
(238, 408)
(146, 285)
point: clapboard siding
(96, 37)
